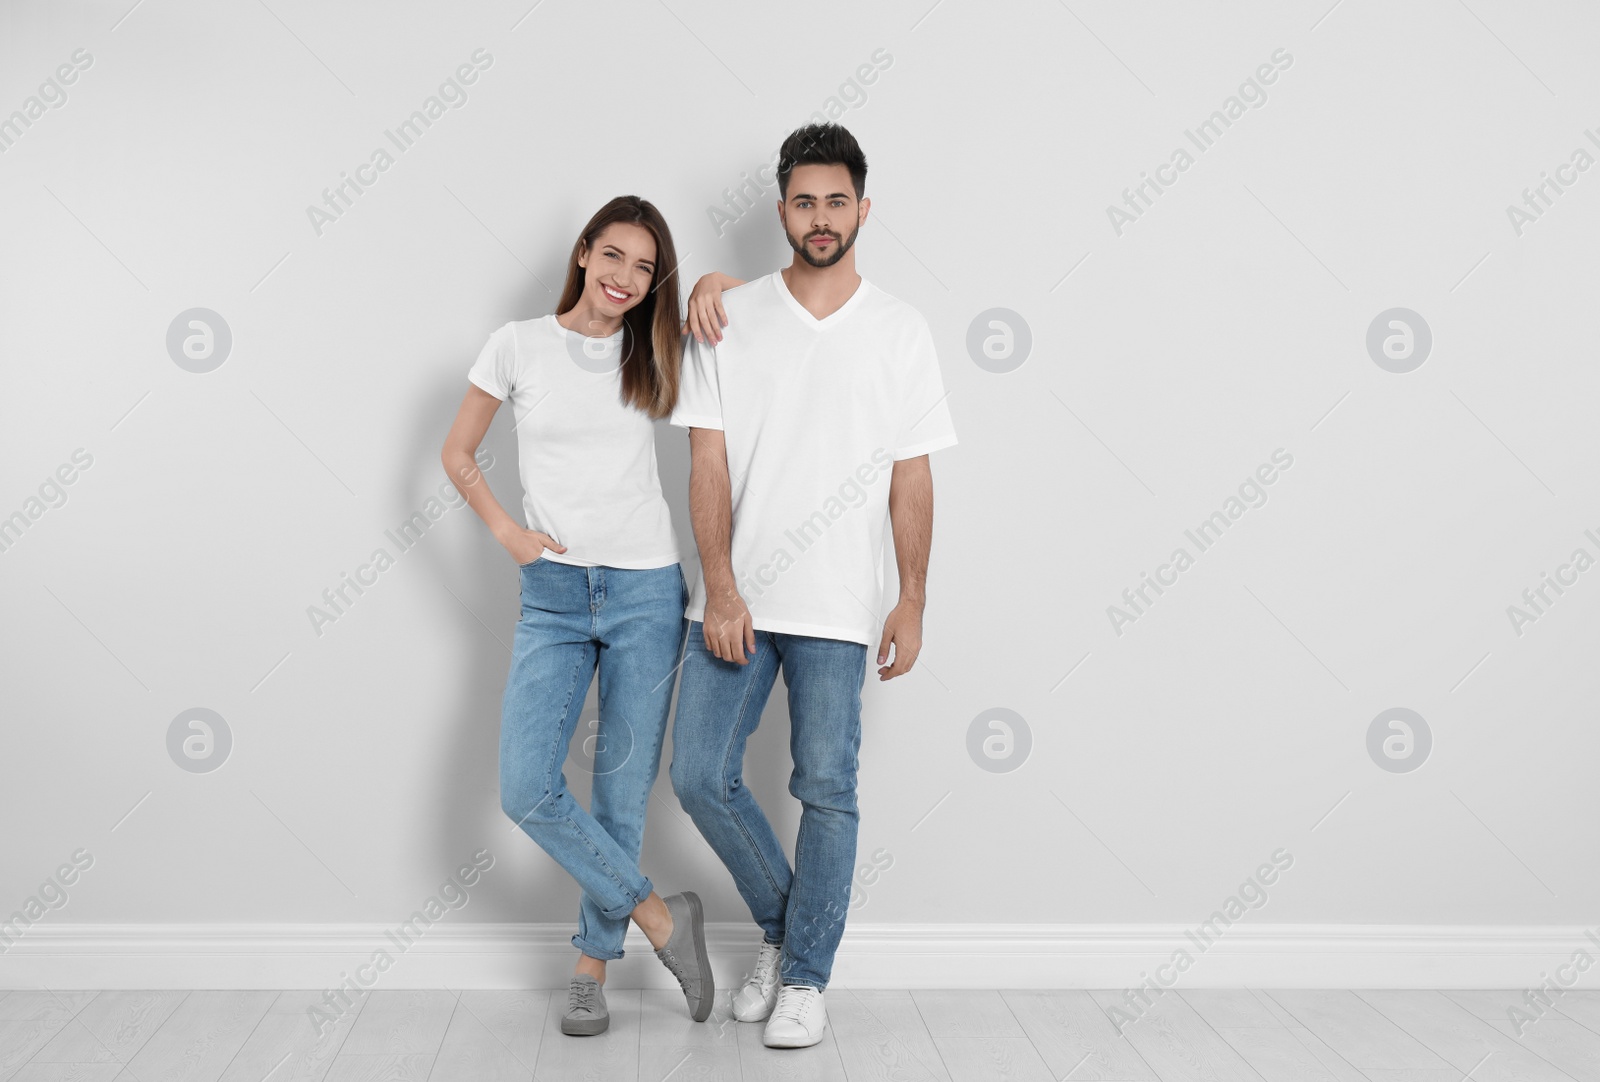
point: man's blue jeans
(719, 706)
(629, 625)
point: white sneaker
(798, 1020)
(755, 998)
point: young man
(810, 417)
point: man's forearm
(711, 512)
(911, 515)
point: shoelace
(765, 965)
(671, 962)
(581, 997)
(793, 1002)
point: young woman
(601, 586)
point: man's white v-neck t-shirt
(815, 413)
(587, 461)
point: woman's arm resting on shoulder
(706, 317)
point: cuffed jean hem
(635, 897)
(590, 949)
(803, 981)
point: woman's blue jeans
(628, 625)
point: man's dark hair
(821, 144)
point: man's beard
(826, 261)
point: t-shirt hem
(793, 627)
(478, 382)
(918, 449)
(683, 420)
(648, 563)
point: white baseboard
(71, 956)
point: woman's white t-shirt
(587, 461)
(815, 413)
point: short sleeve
(699, 395)
(495, 370)
(925, 423)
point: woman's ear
(583, 253)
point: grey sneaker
(586, 1008)
(685, 953)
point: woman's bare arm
(466, 433)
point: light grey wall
(1167, 757)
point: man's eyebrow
(808, 195)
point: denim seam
(727, 757)
(609, 870)
(550, 787)
(800, 839)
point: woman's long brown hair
(652, 344)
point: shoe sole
(793, 1044)
(708, 988)
(585, 1029)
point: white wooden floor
(444, 1036)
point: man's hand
(729, 631)
(903, 629)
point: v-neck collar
(832, 317)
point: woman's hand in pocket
(527, 546)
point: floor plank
(1356, 1031)
(871, 1051)
(1075, 1038)
(613, 1056)
(1178, 1044)
(42, 1005)
(1462, 1039)
(1199, 1035)
(392, 1067)
(992, 1059)
(400, 1022)
(1272, 1007)
(1581, 1007)
(966, 1013)
(200, 1038)
(67, 1072)
(1229, 1008)
(287, 1044)
(111, 1027)
(1277, 1054)
(1569, 1045)
(471, 1053)
(514, 1018)
(1492, 1005)
(1331, 1061)
(819, 1063)
(22, 1038)
(672, 1043)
